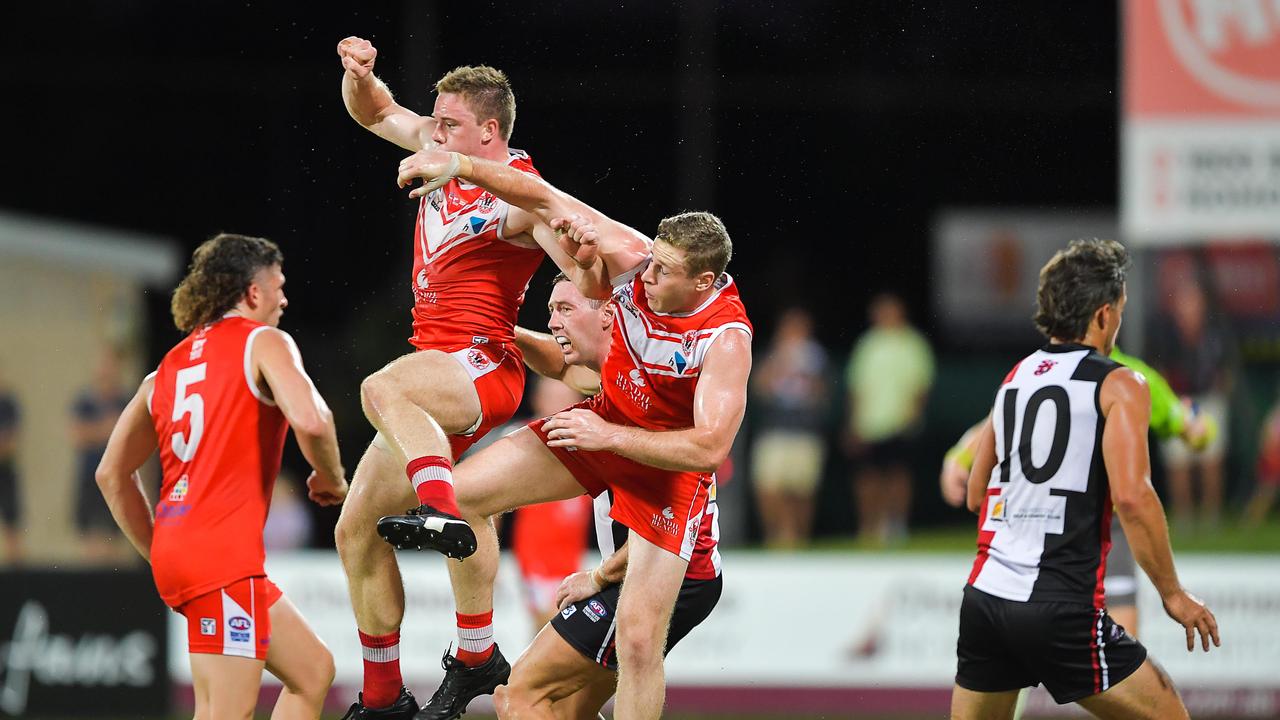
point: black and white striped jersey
(1045, 527)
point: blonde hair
(487, 92)
(703, 238)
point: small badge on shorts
(568, 612)
(240, 628)
(595, 611)
(208, 626)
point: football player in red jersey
(217, 409)
(674, 395)
(473, 257)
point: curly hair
(487, 92)
(221, 271)
(1077, 281)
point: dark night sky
(825, 134)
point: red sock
(475, 638)
(432, 478)
(382, 679)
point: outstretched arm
(543, 355)
(370, 102)
(279, 365)
(1126, 404)
(718, 406)
(551, 216)
(132, 441)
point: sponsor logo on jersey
(632, 386)
(678, 362)
(476, 224)
(421, 279)
(1045, 366)
(665, 521)
(208, 626)
(197, 348)
(997, 510)
(568, 612)
(179, 491)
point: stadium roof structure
(151, 259)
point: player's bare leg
(644, 613)
(897, 502)
(869, 493)
(553, 680)
(417, 401)
(515, 471)
(1211, 492)
(1147, 694)
(373, 577)
(301, 661)
(971, 705)
(1179, 478)
(228, 685)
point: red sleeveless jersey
(220, 442)
(468, 283)
(654, 361)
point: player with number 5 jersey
(217, 409)
(1065, 444)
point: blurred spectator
(889, 376)
(1264, 496)
(791, 397)
(1193, 355)
(549, 539)
(10, 489)
(94, 413)
(288, 525)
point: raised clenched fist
(357, 55)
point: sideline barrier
(82, 643)
(818, 632)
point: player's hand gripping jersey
(468, 282)
(649, 380)
(1044, 530)
(220, 442)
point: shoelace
(453, 668)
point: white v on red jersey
(220, 442)
(468, 282)
(651, 373)
(1045, 528)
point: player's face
(667, 285)
(1114, 316)
(581, 330)
(267, 295)
(457, 129)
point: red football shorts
(664, 507)
(497, 372)
(234, 620)
(548, 541)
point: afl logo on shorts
(239, 623)
(478, 359)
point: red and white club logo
(477, 359)
(1229, 46)
(1045, 366)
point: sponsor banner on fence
(986, 266)
(1201, 137)
(82, 643)
(862, 621)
